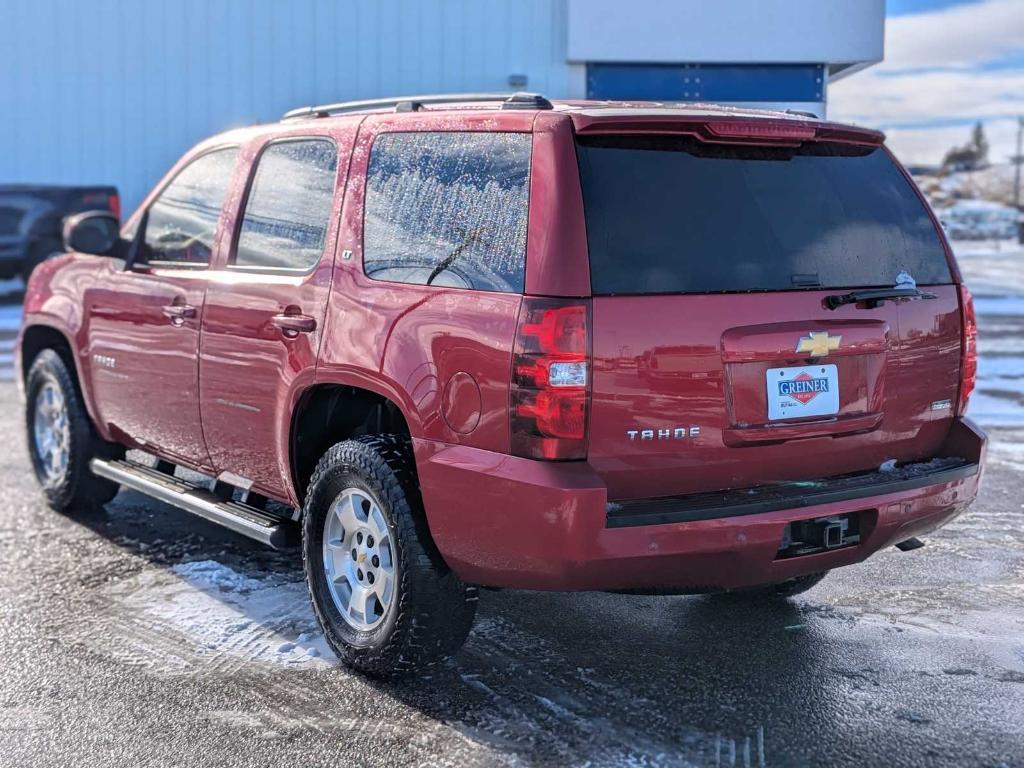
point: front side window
(289, 206)
(448, 209)
(182, 221)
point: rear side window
(289, 206)
(182, 221)
(673, 215)
(448, 209)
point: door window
(182, 221)
(289, 206)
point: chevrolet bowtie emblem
(818, 343)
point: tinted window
(289, 206)
(672, 215)
(448, 209)
(183, 219)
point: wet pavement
(144, 636)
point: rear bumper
(505, 521)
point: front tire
(385, 599)
(61, 439)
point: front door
(143, 323)
(264, 314)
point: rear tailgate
(717, 364)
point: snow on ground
(994, 271)
(991, 267)
(203, 615)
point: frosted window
(289, 206)
(448, 209)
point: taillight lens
(114, 204)
(969, 357)
(551, 379)
(756, 129)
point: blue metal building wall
(113, 91)
(707, 82)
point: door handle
(292, 325)
(178, 313)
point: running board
(237, 516)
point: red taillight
(551, 379)
(756, 129)
(114, 204)
(969, 356)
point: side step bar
(240, 518)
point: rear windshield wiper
(873, 297)
(448, 260)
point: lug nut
(359, 538)
(369, 541)
(376, 561)
(355, 555)
(359, 574)
(369, 576)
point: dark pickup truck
(31, 217)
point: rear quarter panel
(442, 355)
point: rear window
(673, 215)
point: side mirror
(93, 232)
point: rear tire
(61, 439)
(385, 599)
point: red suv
(492, 341)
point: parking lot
(144, 636)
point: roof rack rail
(519, 100)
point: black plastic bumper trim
(688, 509)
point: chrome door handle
(292, 325)
(178, 312)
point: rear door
(265, 312)
(717, 364)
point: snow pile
(994, 271)
(979, 220)
(991, 267)
(992, 183)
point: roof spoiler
(768, 131)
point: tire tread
(435, 609)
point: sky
(948, 64)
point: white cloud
(913, 98)
(931, 75)
(960, 36)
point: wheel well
(330, 413)
(39, 337)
